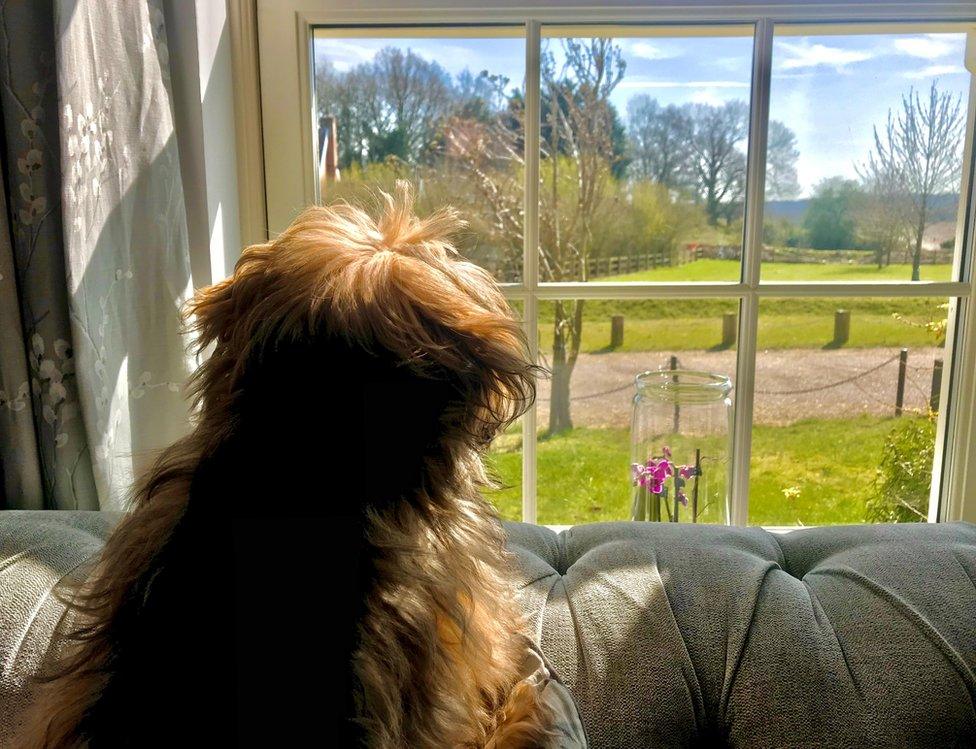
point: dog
(314, 564)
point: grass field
(807, 322)
(776, 331)
(728, 270)
(583, 474)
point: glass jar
(681, 448)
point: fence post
(936, 391)
(616, 331)
(729, 326)
(677, 408)
(900, 392)
(842, 326)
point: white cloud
(926, 47)
(707, 96)
(342, 54)
(647, 83)
(648, 51)
(935, 70)
(806, 55)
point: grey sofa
(675, 636)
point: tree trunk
(917, 255)
(919, 235)
(567, 334)
(560, 417)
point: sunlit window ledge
(770, 528)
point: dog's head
(385, 300)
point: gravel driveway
(780, 375)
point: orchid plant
(653, 477)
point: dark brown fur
(438, 650)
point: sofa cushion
(672, 635)
(37, 549)
(696, 635)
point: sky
(829, 90)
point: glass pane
(864, 165)
(643, 153)
(504, 460)
(443, 111)
(595, 349)
(847, 392)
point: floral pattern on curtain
(92, 372)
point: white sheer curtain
(107, 363)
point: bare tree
(660, 142)
(415, 96)
(578, 158)
(917, 157)
(579, 122)
(880, 215)
(719, 164)
(392, 105)
(781, 156)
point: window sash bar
(530, 255)
(955, 435)
(762, 55)
(703, 290)
(957, 427)
(685, 13)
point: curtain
(94, 261)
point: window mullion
(530, 257)
(956, 429)
(751, 254)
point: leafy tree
(904, 477)
(829, 220)
(917, 157)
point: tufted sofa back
(673, 636)
(682, 636)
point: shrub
(900, 493)
(781, 231)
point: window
(783, 203)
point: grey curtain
(94, 264)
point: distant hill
(943, 208)
(791, 210)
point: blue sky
(829, 90)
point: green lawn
(728, 270)
(775, 332)
(583, 474)
(828, 465)
(805, 322)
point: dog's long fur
(422, 645)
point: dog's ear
(216, 311)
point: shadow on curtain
(94, 261)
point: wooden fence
(618, 265)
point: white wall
(203, 93)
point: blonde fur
(439, 657)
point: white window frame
(284, 29)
